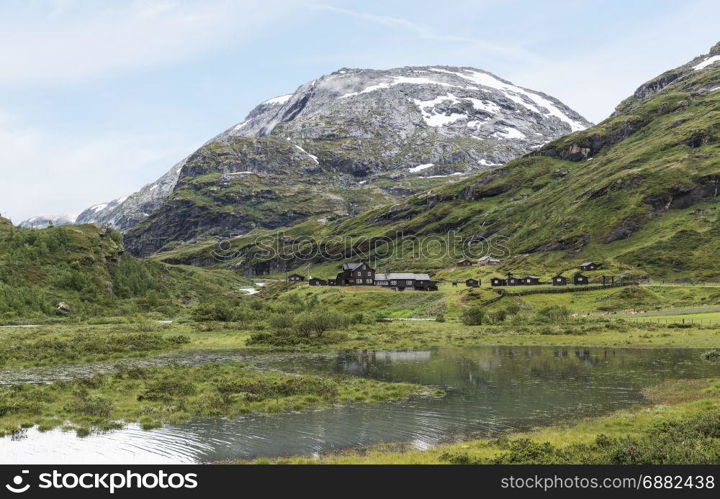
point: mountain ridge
(395, 132)
(638, 190)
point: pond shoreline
(482, 386)
(670, 408)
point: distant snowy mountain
(42, 222)
(124, 213)
(354, 138)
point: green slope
(88, 269)
(637, 191)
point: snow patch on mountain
(278, 100)
(518, 95)
(707, 62)
(98, 207)
(420, 168)
(509, 133)
(408, 80)
(311, 156)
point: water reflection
(490, 389)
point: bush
(473, 316)
(554, 313)
(513, 309)
(498, 315)
(304, 327)
(218, 311)
(91, 405)
(439, 318)
(307, 323)
(281, 322)
(711, 355)
(166, 389)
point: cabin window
(393, 282)
(409, 283)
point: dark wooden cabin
(406, 280)
(590, 266)
(515, 281)
(472, 283)
(532, 280)
(295, 278)
(498, 281)
(316, 281)
(559, 280)
(464, 263)
(356, 274)
(580, 279)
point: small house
(472, 283)
(356, 274)
(295, 278)
(498, 281)
(464, 263)
(515, 281)
(587, 266)
(488, 260)
(559, 280)
(406, 280)
(316, 281)
(580, 279)
(532, 280)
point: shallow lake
(490, 390)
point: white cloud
(80, 39)
(43, 175)
(597, 79)
(428, 33)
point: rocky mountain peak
(453, 101)
(354, 137)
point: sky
(100, 98)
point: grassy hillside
(87, 268)
(637, 191)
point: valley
(169, 316)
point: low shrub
(473, 316)
(554, 313)
(217, 311)
(711, 355)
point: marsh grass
(153, 396)
(43, 347)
